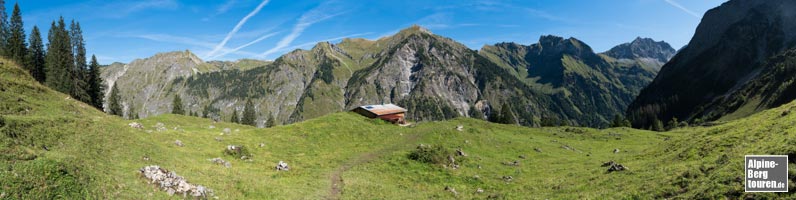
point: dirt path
(337, 176)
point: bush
(238, 152)
(429, 154)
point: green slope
(92, 155)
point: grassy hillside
(55, 147)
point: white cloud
(683, 8)
(237, 27)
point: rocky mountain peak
(643, 48)
(555, 45)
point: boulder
(136, 125)
(220, 161)
(460, 152)
(613, 166)
(508, 178)
(459, 128)
(282, 166)
(262, 145)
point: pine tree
(16, 48)
(36, 55)
(59, 63)
(206, 112)
(475, 113)
(4, 32)
(177, 106)
(672, 124)
(81, 73)
(114, 106)
(95, 88)
(234, 118)
(657, 125)
(249, 115)
(506, 116)
(271, 122)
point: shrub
(428, 154)
(238, 152)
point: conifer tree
(657, 125)
(35, 57)
(114, 106)
(249, 115)
(59, 63)
(3, 27)
(177, 106)
(271, 122)
(475, 113)
(80, 71)
(16, 49)
(234, 118)
(95, 88)
(506, 116)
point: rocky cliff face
(720, 72)
(433, 76)
(645, 50)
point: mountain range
(555, 81)
(739, 62)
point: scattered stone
(220, 161)
(179, 143)
(476, 176)
(148, 131)
(467, 141)
(145, 158)
(460, 128)
(613, 166)
(282, 166)
(522, 156)
(227, 131)
(451, 190)
(136, 125)
(537, 150)
(479, 166)
(515, 163)
(160, 127)
(508, 178)
(567, 147)
(45, 147)
(173, 183)
(616, 150)
(479, 190)
(262, 145)
(211, 127)
(460, 152)
(219, 139)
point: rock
(136, 125)
(515, 163)
(537, 150)
(522, 156)
(145, 158)
(479, 190)
(616, 150)
(451, 190)
(219, 139)
(262, 145)
(460, 152)
(172, 183)
(211, 127)
(459, 128)
(226, 131)
(220, 161)
(786, 112)
(160, 127)
(567, 147)
(282, 166)
(476, 176)
(613, 166)
(237, 130)
(508, 178)
(179, 143)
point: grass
(54, 147)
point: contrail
(245, 45)
(681, 7)
(237, 27)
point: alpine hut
(387, 112)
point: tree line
(249, 114)
(61, 64)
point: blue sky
(233, 29)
